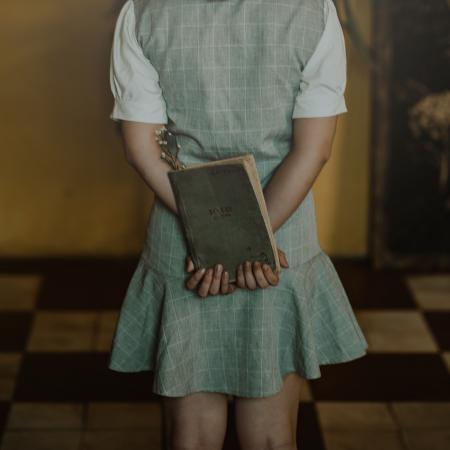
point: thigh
(270, 422)
(195, 421)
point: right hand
(251, 276)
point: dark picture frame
(410, 153)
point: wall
(65, 188)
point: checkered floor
(56, 324)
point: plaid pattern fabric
(230, 72)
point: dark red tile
(370, 288)
(4, 411)
(14, 330)
(384, 377)
(439, 323)
(86, 285)
(78, 377)
(309, 435)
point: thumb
(283, 259)
(189, 264)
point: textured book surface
(223, 213)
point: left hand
(211, 282)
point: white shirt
(138, 96)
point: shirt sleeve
(324, 76)
(134, 81)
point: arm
(319, 102)
(312, 139)
(143, 153)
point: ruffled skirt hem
(241, 344)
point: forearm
(294, 177)
(143, 153)
(289, 185)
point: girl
(239, 76)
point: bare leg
(196, 421)
(270, 422)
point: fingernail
(219, 267)
(265, 267)
(202, 270)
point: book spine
(187, 230)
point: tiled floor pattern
(56, 393)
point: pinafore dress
(230, 71)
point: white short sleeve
(134, 81)
(325, 75)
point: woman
(238, 77)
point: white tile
(403, 331)
(18, 292)
(427, 439)
(63, 331)
(415, 415)
(431, 292)
(362, 440)
(355, 416)
(41, 415)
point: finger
(205, 283)
(283, 259)
(225, 283)
(249, 277)
(259, 275)
(240, 278)
(189, 264)
(217, 277)
(194, 279)
(231, 288)
(271, 277)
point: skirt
(240, 344)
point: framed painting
(410, 155)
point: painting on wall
(410, 159)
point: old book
(223, 213)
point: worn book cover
(223, 213)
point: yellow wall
(65, 188)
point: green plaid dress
(230, 72)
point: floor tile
(431, 292)
(363, 440)
(427, 439)
(355, 416)
(418, 415)
(4, 412)
(7, 386)
(439, 323)
(14, 330)
(396, 331)
(18, 292)
(446, 358)
(105, 331)
(41, 415)
(10, 364)
(9, 368)
(384, 377)
(62, 331)
(146, 416)
(309, 435)
(81, 377)
(121, 440)
(40, 440)
(368, 288)
(87, 284)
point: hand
(207, 282)
(252, 276)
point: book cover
(223, 212)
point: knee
(270, 444)
(194, 446)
